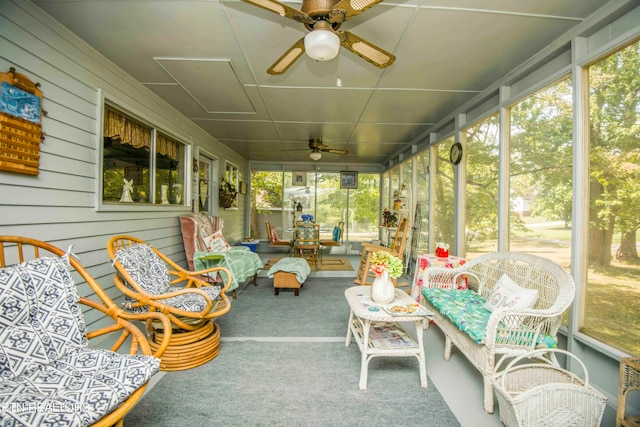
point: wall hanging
(20, 123)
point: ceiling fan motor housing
(318, 8)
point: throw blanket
(239, 260)
(298, 266)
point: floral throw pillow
(508, 293)
(216, 243)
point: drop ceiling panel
(239, 130)
(212, 83)
(339, 105)
(417, 107)
(578, 9)
(449, 59)
(329, 132)
(387, 133)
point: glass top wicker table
(377, 331)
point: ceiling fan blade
(364, 49)
(347, 9)
(334, 151)
(282, 10)
(288, 58)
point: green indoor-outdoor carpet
(283, 362)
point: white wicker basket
(543, 395)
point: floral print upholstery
(49, 375)
(149, 271)
(465, 309)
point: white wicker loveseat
(487, 337)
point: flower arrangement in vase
(386, 267)
(382, 261)
(442, 250)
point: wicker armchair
(50, 362)
(152, 282)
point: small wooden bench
(289, 273)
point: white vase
(382, 289)
(164, 194)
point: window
(541, 173)
(444, 192)
(232, 181)
(204, 187)
(481, 187)
(141, 165)
(422, 190)
(613, 276)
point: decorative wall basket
(20, 123)
(226, 200)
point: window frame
(99, 204)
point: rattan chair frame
(192, 280)
(123, 331)
(196, 338)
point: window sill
(138, 207)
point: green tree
(266, 192)
(614, 113)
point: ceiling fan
(323, 18)
(317, 148)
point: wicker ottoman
(289, 273)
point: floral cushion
(149, 271)
(465, 309)
(49, 376)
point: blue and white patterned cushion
(48, 374)
(149, 271)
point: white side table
(378, 333)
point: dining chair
(276, 242)
(337, 238)
(307, 242)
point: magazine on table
(389, 336)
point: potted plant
(227, 193)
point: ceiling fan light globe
(322, 45)
(315, 155)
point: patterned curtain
(129, 132)
(167, 147)
(132, 133)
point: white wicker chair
(510, 332)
